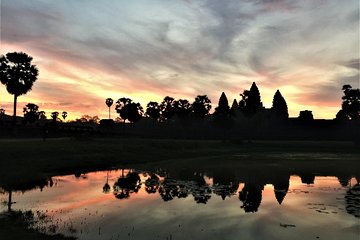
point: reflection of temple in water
(248, 185)
(281, 186)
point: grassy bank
(15, 225)
(33, 158)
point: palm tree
(106, 187)
(109, 102)
(54, 116)
(42, 115)
(17, 74)
(2, 114)
(64, 115)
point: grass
(34, 158)
(16, 225)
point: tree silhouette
(351, 102)
(64, 115)
(31, 112)
(2, 115)
(126, 185)
(109, 102)
(201, 106)
(251, 101)
(279, 105)
(135, 112)
(201, 193)
(153, 110)
(167, 190)
(167, 108)
(344, 179)
(42, 115)
(18, 74)
(152, 183)
(341, 116)
(88, 119)
(244, 99)
(120, 108)
(182, 108)
(251, 196)
(128, 110)
(106, 187)
(54, 116)
(225, 183)
(172, 188)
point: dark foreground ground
(24, 161)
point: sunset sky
(88, 50)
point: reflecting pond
(188, 204)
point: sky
(89, 50)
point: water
(188, 204)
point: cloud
(353, 63)
(185, 48)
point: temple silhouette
(245, 120)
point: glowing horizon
(87, 51)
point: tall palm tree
(17, 74)
(109, 102)
(64, 115)
(2, 113)
(106, 187)
(54, 116)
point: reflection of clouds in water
(88, 208)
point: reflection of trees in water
(251, 196)
(124, 186)
(24, 186)
(182, 183)
(201, 193)
(225, 183)
(344, 179)
(225, 190)
(352, 199)
(196, 185)
(106, 187)
(173, 188)
(152, 183)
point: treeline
(249, 106)
(199, 109)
